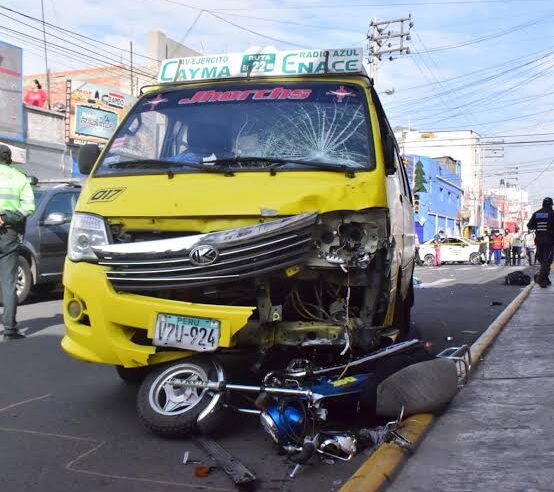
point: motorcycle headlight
(86, 231)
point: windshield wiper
(275, 163)
(167, 164)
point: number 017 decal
(105, 195)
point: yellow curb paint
(379, 469)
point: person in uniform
(16, 203)
(542, 222)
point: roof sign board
(262, 63)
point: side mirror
(88, 153)
(55, 218)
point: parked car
(44, 244)
(453, 250)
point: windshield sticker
(278, 93)
(153, 103)
(258, 63)
(340, 93)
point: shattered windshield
(316, 123)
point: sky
(485, 65)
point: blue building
(439, 199)
(492, 219)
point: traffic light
(416, 204)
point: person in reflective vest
(496, 247)
(16, 203)
(542, 222)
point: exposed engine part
(307, 334)
(348, 240)
(267, 312)
(337, 311)
(339, 446)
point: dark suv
(44, 245)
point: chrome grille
(243, 252)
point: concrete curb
(379, 469)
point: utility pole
(131, 65)
(45, 54)
(387, 37)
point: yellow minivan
(252, 204)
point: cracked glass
(315, 123)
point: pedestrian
(517, 242)
(507, 247)
(418, 259)
(36, 95)
(496, 247)
(529, 242)
(542, 222)
(437, 239)
(16, 203)
(484, 248)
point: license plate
(186, 332)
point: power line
(251, 31)
(387, 4)
(293, 23)
(80, 54)
(488, 37)
(74, 33)
(476, 83)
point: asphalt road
(69, 426)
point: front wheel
(429, 260)
(475, 259)
(173, 411)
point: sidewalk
(498, 433)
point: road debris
(202, 471)
(241, 476)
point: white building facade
(513, 203)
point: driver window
(148, 135)
(63, 203)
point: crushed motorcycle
(296, 405)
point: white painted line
(437, 282)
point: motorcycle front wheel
(174, 411)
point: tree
(419, 179)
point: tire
(428, 260)
(179, 418)
(132, 375)
(24, 280)
(475, 259)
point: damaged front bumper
(117, 328)
(281, 268)
(206, 259)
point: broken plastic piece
(201, 471)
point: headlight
(85, 232)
